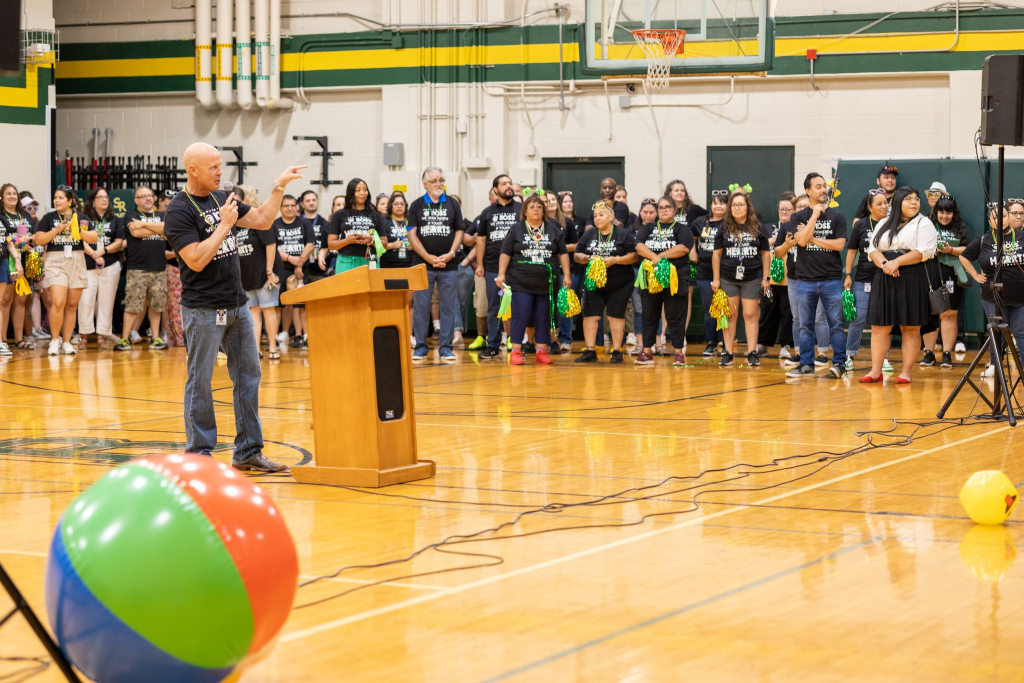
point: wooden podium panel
(360, 360)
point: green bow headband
(746, 188)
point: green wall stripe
(73, 52)
(31, 116)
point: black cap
(888, 169)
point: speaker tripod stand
(20, 605)
(998, 339)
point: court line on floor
(361, 616)
(654, 436)
(341, 579)
(681, 610)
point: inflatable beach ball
(170, 568)
(988, 497)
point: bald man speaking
(200, 225)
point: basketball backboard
(722, 36)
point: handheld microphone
(227, 186)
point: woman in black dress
(952, 240)
(899, 294)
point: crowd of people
(906, 267)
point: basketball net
(660, 46)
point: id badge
(949, 286)
(739, 272)
(67, 251)
(222, 317)
(536, 258)
(867, 287)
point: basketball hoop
(660, 46)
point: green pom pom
(777, 270)
(849, 306)
(663, 273)
(568, 303)
(693, 270)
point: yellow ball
(988, 497)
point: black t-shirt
(815, 263)
(252, 256)
(63, 239)
(436, 224)
(741, 250)
(983, 250)
(319, 225)
(620, 242)
(579, 226)
(860, 240)
(396, 232)
(107, 230)
(292, 238)
(146, 253)
(526, 272)
(219, 284)
(620, 209)
(658, 238)
(705, 229)
(349, 222)
(495, 222)
(691, 215)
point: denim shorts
(263, 297)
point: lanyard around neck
(209, 221)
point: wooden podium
(360, 361)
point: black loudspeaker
(10, 35)
(387, 362)
(1002, 100)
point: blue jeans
(830, 295)
(712, 335)
(203, 339)
(638, 312)
(856, 331)
(1012, 316)
(494, 326)
(465, 276)
(527, 307)
(820, 322)
(447, 299)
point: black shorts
(596, 300)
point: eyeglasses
(875, 192)
(600, 205)
(648, 200)
(992, 206)
(439, 181)
(564, 193)
(1014, 201)
(144, 196)
(66, 188)
(719, 193)
(1017, 214)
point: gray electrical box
(394, 154)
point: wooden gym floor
(864, 568)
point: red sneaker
(680, 360)
(516, 358)
(543, 358)
(644, 359)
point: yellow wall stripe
(28, 96)
(546, 53)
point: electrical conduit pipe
(243, 48)
(225, 55)
(204, 82)
(276, 101)
(261, 10)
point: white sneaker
(5, 350)
(631, 339)
(68, 349)
(412, 340)
(960, 348)
(790, 363)
(989, 371)
(54, 349)
(457, 341)
(282, 337)
(784, 352)
(566, 348)
(134, 337)
(886, 365)
(849, 364)
(76, 339)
